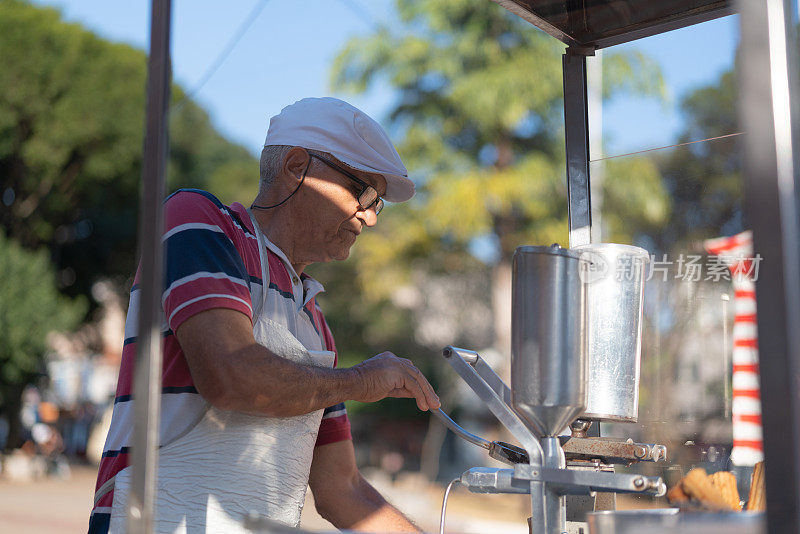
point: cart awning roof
(603, 23)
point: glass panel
(698, 321)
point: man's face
(329, 210)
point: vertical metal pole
(539, 520)
(576, 134)
(768, 84)
(548, 508)
(594, 78)
(576, 124)
(147, 377)
(555, 504)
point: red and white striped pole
(748, 441)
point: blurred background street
(48, 505)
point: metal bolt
(640, 451)
(638, 483)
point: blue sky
(286, 53)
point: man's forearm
(233, 372)
(363, 509)
(256, 381)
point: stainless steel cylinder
(548, 337)
(615, 282)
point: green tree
(30, 308)
(480, 115)
(704, 180)
(71, 137)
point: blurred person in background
(29, 410)
(50, 446)
(252, 404)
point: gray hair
(272, 157)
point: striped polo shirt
(212, 261)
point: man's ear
(295, 163)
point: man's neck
(277, 229)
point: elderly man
(252, 404)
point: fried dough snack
(725, 482)
(697, 488)
(757, 501)
(697, 484)
(676, 495)
(718, 491)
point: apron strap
(263, 257)
(107, 486)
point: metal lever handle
(492, 391)
(508, 453)
(499, 450)
(485, 372)
(460, 432)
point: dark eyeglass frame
(367, 197)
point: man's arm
(233, 372)
(344, 498)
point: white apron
(232, 464)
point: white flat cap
(347, 133)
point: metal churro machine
(576, 340)
(539, 399)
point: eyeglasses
(367, 197)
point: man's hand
(386, 375)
